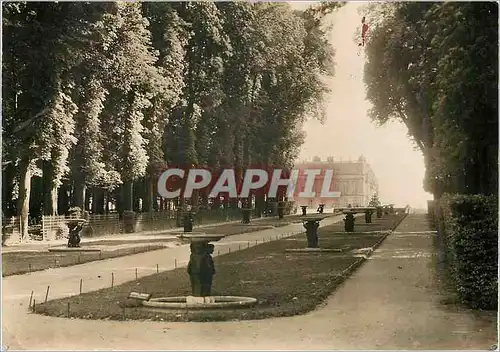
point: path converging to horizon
(391, 302)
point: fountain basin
(309, 250)
(74, 249)
(185, 302)
(199, 237)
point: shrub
(469, 224)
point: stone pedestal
(201, 269)
(281, 210)
(245, 213)
(128, 221)
(188, 222)
(312, 233)
(349, 222)
(368, 217)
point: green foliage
(100, 94)
(434, 67)
(470, 227)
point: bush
(469, 224)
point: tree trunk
(49, 189)
(24, 196)
(63, 200)
(79, 192)
(128, 195)
(107, 199)
(98, 200)
(8, 178)
(147, 202)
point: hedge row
(468, 227)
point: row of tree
(101, 97)
(434, 66)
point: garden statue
(321, 207)
(245, 212)
(188, 222)
(201, 268)
(281, 210)
(75, 226)
(349, 222)
(312, 233)
(304, 209)
(368, 216)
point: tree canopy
(99, 97)
(434, 66)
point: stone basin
(74, 221)
(357, 210)
(190, 302)
(314, 217)
(199, 237)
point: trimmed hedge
(468, 225)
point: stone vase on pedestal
(349, 223)
(129, 221)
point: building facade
(355, 180)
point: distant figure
(349, 206)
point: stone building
(355, 181)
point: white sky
(348, 132)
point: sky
(348, 132)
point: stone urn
(129, 221)
(349, 222)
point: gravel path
(390, 303)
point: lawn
(15, 263)
(284, 283)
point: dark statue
(304, 209)
(201, 269)
(281, 210)
(74, 233)
(368, 216)
(312, 233)
(349, 222)
(245, 212)
(188, 222)
(321, 208)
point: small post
(100, 255)
(79, 259)
(255, 241)
(123, 313)
(239, 247)
(29, 266)
(135, 274)
(157, 269)
(34, 305)
(68, 310)
(229, 250)
(218, 252)
(81, 284)
(248, 244)
(55, 262)
(47, 294)
(175, 263)
(31, 299)
(112, 279)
